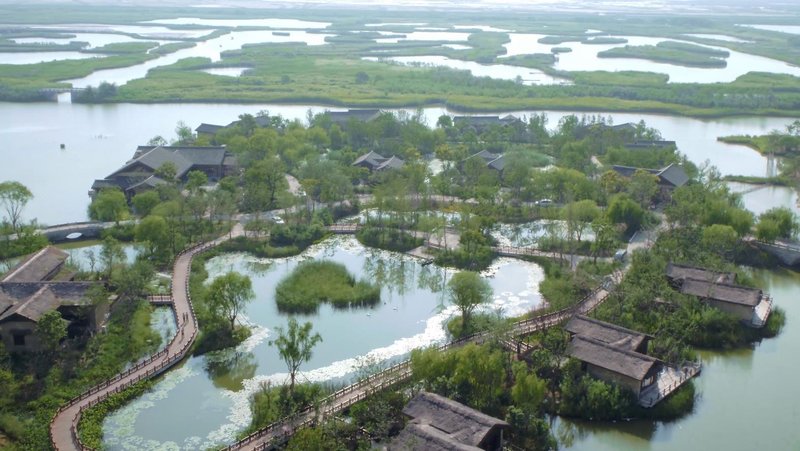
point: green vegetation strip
(672, 53)
(314, 282)
(90, 427)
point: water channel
(746, 398)
(410, 314)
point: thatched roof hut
(441, 423)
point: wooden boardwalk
(64, 426)
(280, 431)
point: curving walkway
(63, 427)
(281, 430)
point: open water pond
(226, 71)
(211, 49)
(497, 71)
(144, 31)
(745, 400)
(411, 314)
(789, 29)
(719, 37)
(94, 39)
(530, 233)
(584, 58)
(17, 58)
(427, 36)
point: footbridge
(64, 426)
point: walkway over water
(280, 431)
(64, 426)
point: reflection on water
(746, 398)
(530, 233)
(411, 314)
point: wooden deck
(667, 381)
(64, 426)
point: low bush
(314, 282)
(388, 239)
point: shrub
(388, 239)
(314, 282)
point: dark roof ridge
(610, 346)
(612, 326)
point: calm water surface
(100, 138)
(410, 315)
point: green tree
(467, 291)
(111, 254)
(14, 196)
(643, 187)
(153, 232)
(294, 346)
(622, 209)
(777, 223)
(51, 329)
(183, 132)
(229, 294)
(143, 203)
(196, 180)
(605, 237)
(720, 239)
(133, 282)
(109, 205)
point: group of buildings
(39, 284)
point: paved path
(63, 428)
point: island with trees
(596, 193)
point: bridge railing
(157, 362)
(385, 378)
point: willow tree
(14, 196)
(294, 346)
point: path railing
(145, 369)
(688, 371)
(281, 430)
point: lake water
(410, 315)
(94, 39)
(426, 36)
(100, 138)
(496, 71)
(790, 29)
(17, 58)
(584, 58)
(211, 49)
(227, 71)
(718, 37)
(145, 31)
(270, 23)
(745, 397)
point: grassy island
(315, 282)
(671, 52)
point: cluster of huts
(38, 284)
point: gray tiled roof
(37, 266)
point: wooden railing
(280, 430)
(167, 360)
(688, 371)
